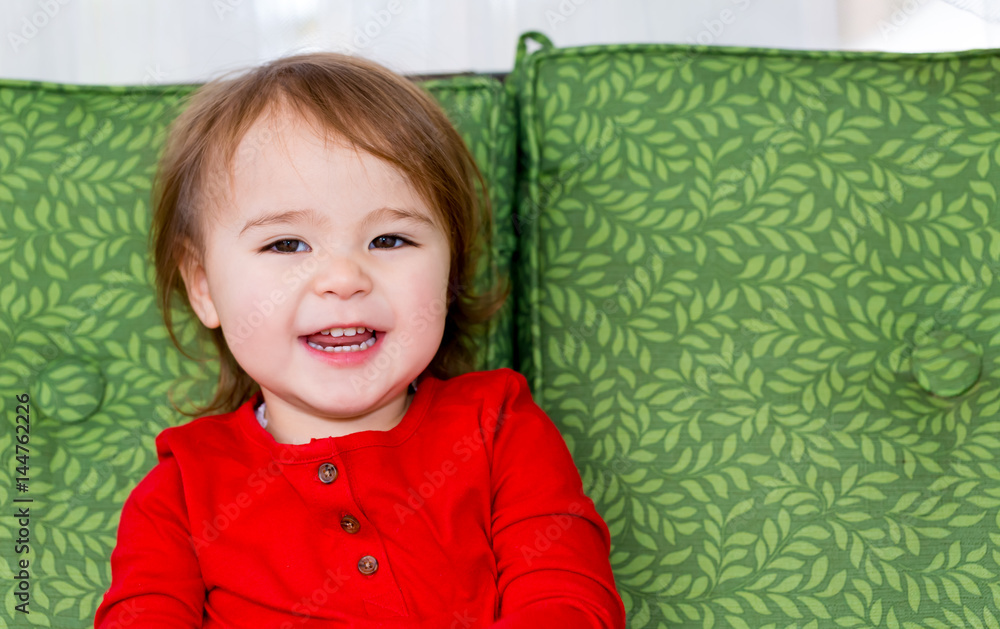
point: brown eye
(288, 246)
(388, 241)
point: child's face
(309, 239)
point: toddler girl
(320, 216)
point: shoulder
(158, 496)
(205, 436)
(504, 386)
(491, 383)
(497, 396)
(163, 477)
(488, 393)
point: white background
(185, 41)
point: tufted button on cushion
(945, 362)
(69, 389)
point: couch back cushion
(481, 110)
(80, 331)
(762, 306)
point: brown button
(327, 473)
(367, 565)
(350, 524)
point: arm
(155, 578)
(551, 545)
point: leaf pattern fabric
(80, 330)
(762, 305)
(481, 111)
(754, 289)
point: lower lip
(344, 359)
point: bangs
(379, 113)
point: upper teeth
(345, 331)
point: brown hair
(374, 110)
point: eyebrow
(380, 214)
(397, 214)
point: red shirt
(468, 513)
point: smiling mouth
(357, 342)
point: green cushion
(480, 110)
(79, 328)
(761, 304)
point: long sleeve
(156, 582)
(551, 545)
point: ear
(196, 283)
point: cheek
(249, 308)
(253, 323)
(421, 298)
(429, 289)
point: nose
(341, 274)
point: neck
(288, 424)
